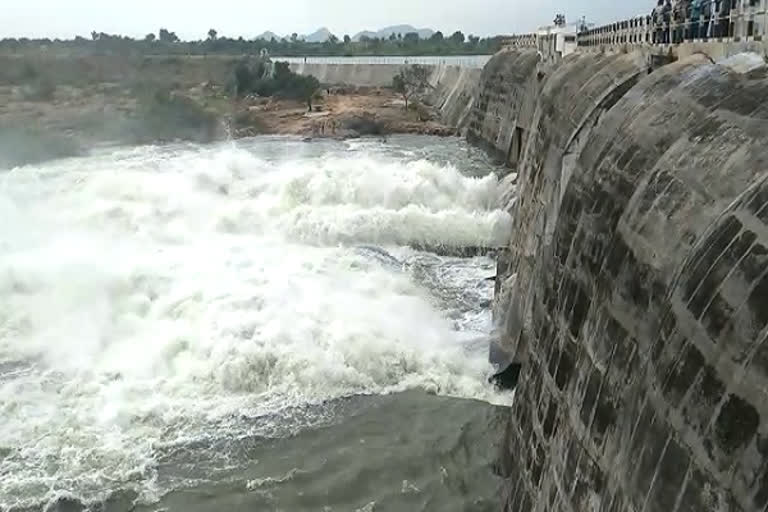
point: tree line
(167, 42)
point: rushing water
(246, 327)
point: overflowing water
(248, 327)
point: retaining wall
(634, 291)
(501, 116)
(454, 93)
(363, 75)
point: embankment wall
(361, 75)
(634, 291)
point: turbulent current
(271, 325)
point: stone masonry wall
(635, 289)
(504, 105)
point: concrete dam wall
(453, 92)
(634, 291)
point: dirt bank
(38, 123)
(338, 114)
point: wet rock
(364, 125)
(65, 504)
(508, 378)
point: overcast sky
(191, 19)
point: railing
(738, 20)
(632, 31)
(465, 61)
(522, 41)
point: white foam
(744, 62)
(156, 292)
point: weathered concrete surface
(501, 114)
(639, 309)
(453, 92)
(363, 75)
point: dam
(633, 290)
(565, 309)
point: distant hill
(268, 36)
(424, 33)
(319, 36)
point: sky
(191, 19)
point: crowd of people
(683, 20)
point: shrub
(284, 83)
(166, 116)
(247, 77)
(41, 89)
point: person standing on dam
(678, 17)
(695, 18)
(666, 16)
(725, 19)
(656, 20)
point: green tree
(457, 37)
(437, 37)
(347, 39)
(412, 37)
(411, 80)
(150, 38)
(306, 87)
(212, 35)
(168, 37)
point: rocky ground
(61, 121)
(340, 113)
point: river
(248, 326)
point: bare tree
(410, 81)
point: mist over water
(188, 317)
